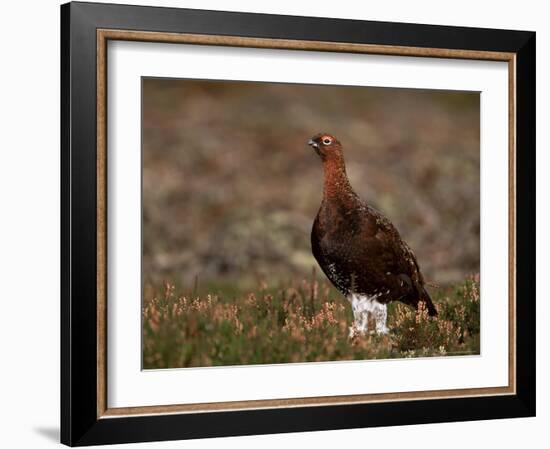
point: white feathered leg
(360, 324)
(380, 313)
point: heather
(304, 321)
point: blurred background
(231, 188)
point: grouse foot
(365, 307)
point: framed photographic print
(277, 224)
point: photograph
(289, 221)
(292, 223)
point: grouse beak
(313, 143)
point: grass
(303, 321)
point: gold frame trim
(103, 36)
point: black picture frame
(80, 423)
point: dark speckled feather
(356, 246)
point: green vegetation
(298, 322)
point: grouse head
(326, 146)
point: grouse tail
(425, 297)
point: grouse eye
(327, 141)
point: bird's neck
(336, 184)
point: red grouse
(359, 249)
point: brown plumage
(359, 249)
